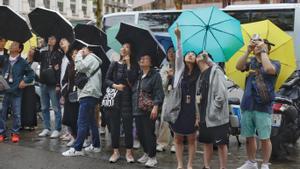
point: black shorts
(214, 135)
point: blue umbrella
(208, 29)
(165, 41)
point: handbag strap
(95, 71)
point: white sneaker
(143, 159)
(136, 144)
(173, 149)
(86, 143)
(152, 162)
(55, 134)
(71, 142)
(72, 153)
(264, 166)
(102, 130)
(160, 148)
(92, 149)
(44, 133)
(249, 165)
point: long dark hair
(133, 59)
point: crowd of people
(141, 94)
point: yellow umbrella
(32, 42)
(283, 51)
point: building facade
(113, 6)
(71, 9)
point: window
(283, 18)
(242, 16)
(73, 8)
(60, 6)
(5, 2)
(84, 10)
(113, 20)
(31, 4)
(47, 3)
(158, 22)
(113, 10)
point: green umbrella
(112, 42)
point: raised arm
(179, 62)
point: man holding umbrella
(17, 73)
(50, 25)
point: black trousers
(146, 133)
(115, 118)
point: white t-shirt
(64, 64)
(1, 52)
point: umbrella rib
(280, 46)
(198, 18)
(193, 35)
(218, 43)
(221, 22)
(211, 12)
(192, 25)
(227, 33)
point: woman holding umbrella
(121, 75)
(71, 109)
(186, 74)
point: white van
(285, 16)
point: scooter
(286, 118)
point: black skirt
(29, 107)
(70, 115)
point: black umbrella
(97, 50)
(91, 34)
(46, 23)
(13, 26)
(143, 42)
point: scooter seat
(234, 100)
(283, 100)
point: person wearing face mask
(257, 100)
(186, 74)
(120, 76)
(18, 74)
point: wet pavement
(33, 152)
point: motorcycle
(286, 118)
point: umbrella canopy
(13, 26)
(208, 29)
(97, 49)
(91, 35)
(283, 51)
(46, 23)
(112, 42)
(143, 42)
(32, 42)
(165, 41)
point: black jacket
(151, 84)
(119, 74)
(5, 55)
(49, 59)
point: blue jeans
(15, 103)
(48, 93)
(87, 120)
